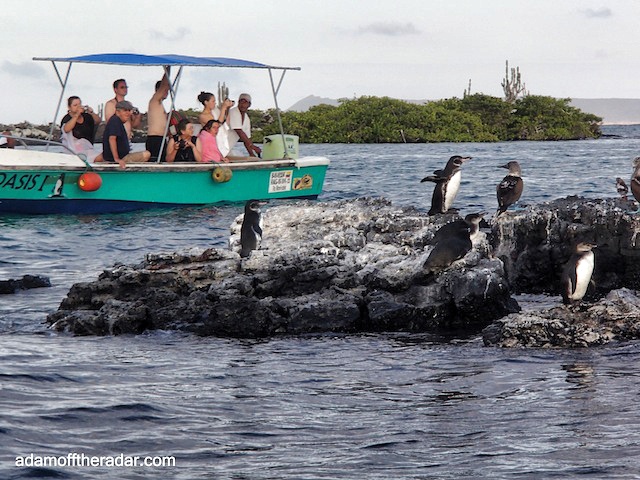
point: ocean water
(385, 406)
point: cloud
(24, 69)
(390, 29)
(178, 35)
(603, 12)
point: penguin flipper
(433, 178)
(568, 283)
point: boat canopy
(135, 59)
(166, 62)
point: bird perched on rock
(453, 241)
(447, 185)
(510, 188)
(635, 179)
(251, 230)
(621, 187)
(576, 275)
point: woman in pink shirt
(208, 145)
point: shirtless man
(120, 88)
(157, 118)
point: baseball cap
(124, 105)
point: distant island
(472, 118)
(613, 111)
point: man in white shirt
(240, 127)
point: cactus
(513, 87)
(223, 92)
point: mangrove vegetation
(474, 118)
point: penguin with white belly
(251, 230)
(447, 185)
(576, 275)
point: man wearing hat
(240, 127)
(115, 142)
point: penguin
(251, 230)
(635, 179)
(621, 187)
(576, 274)
(447, 185)
(452, 242)
(510, 188)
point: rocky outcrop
(25, 283)
(357, 266)
(535, 243)
(613, 318)
(347, 266)
(28, 131)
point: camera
(182, 144)
(86, 108)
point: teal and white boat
(48, 178)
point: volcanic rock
(344, 266)
(615, 317)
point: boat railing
(27, 143)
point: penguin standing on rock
(452, 242)
(510, 188)
(447, 184)
(576, 275)
(251, 230)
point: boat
(44, 177)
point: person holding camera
(80, 119)
(120, 88)
(211, 112)
(182, 147)
(78, 128)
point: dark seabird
(447, 184)
(621, 187)
(251, 230)
(453, 241)
(635, 179)
(510, 188)
(576, 275)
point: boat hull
(38, 189)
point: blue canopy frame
(166, 61)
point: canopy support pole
(275, 91)
(63, 84)
(173, 91)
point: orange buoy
(89, 181)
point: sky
(406, 49)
